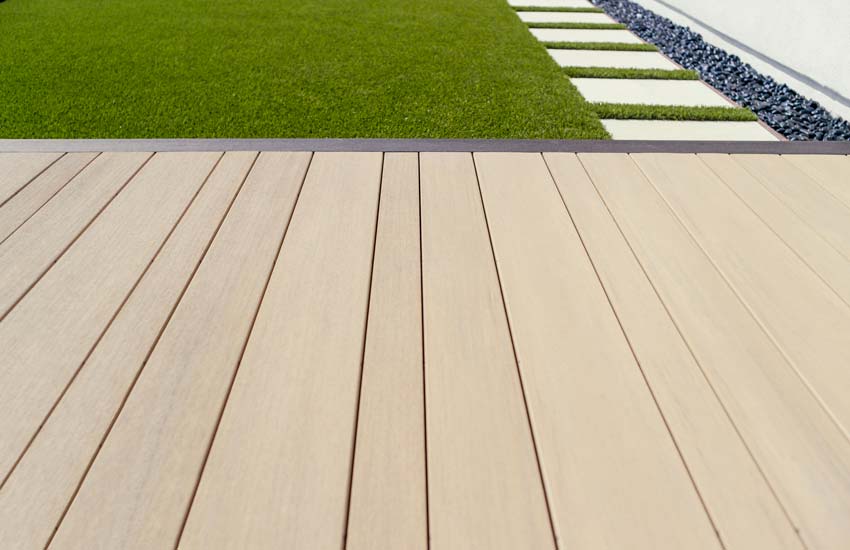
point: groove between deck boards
(428, 349)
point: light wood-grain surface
(424, 350)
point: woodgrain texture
(424, 351)
(52, 330)
(171, 415)
(34, 497)
(388, 500)
(484, 486)
(28, 200)
(18, 169)
(803, 453)
(284, 482)
(745, 510)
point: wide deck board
(567, 366)
(170, 417)
(440, 350)
(18, 169)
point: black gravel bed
(783, 109)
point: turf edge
(648, 74)
(611, 46)
(671, 112)
(568, 10)
(591, 26)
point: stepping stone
(617, 60)
(585, 35)
(552, 3)
(687, 93)
(687, 130)
(563, 17)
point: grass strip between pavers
(612, 46)
(647, 74)
(590, 26)
(671, 112)
(571, 10)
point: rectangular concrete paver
(688, 93)
(604, 58)
(563, 17)
(585, 35)
(688, 130)
(552, 3)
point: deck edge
(423, 145)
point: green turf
(280, 68)
(591, 26)
(614, 46)
(672, 112)
(610, 72)
(569, 10)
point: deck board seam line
(59, 190)
(695, 358)
(534, 443)
(75, 239)
(32, 179)
(790, 206)
(358, 403)
(790, 363)
(103, 332)
(226, 399)
(139, 371)
(778, 236)
(424, 374)
(816, 180)
(637, 361)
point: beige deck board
(424, 350)
(549, 283)
(812, 248)
(817, 206)
(35, 496)
(831, 171)
(478, 430)
(388, 500)
(170, 417)
(803, 453)
(745, 511)
(284, 482)
(29, 199)
(51, 331)
(805, 318)
(18, 169)
(32, 249)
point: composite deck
(409, 350)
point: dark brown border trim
(426, 145)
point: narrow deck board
(172, 412)
(18, 169)
(478, 430)
(32, 249)
(818, 207)
(744, 508)
(812, 248)
(830, 171)
(35, 496)
(803, 453)
(806, 319)
(284, 483)
(388, 500)
(52, 330)
(567, 366)
(32, 197)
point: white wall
(811, 37)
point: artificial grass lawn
(544, 8)
(590, 26)
(613, 46)
(649, 74)
(280, 68)
(671, 112)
